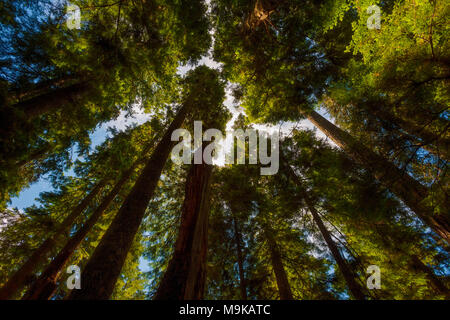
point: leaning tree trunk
(238, 241)
(43, 288)
(103, 268)
(435, 282)
(53, 100)
(411, 192)
(353, 286)
(432, 142)
(185, 276)
(17, 281)
(349, 277)
(41, 88)
(284, 288)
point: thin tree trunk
(435, 282)
(284, 288)
(186, 273)
(103, 268)
(17, 281)
(36, 155)
(411, 192)
(354, 287)
(45, 285)
(432, 142)
(238, 241)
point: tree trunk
(411, 192)
(41, 87)
(354, 287)
(185, 276)
(284, 288)
(238, 241)
(431, 141)
(39, 154)
(17, 281)
(103, 268)
(45, 285)
(53, 100)
(435, 282)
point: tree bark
(431, 141)
(53, 100)
(353, 286)
(411, 192)
(103, 268)
(45, 285)
(284, 288)
(238, 241)
(435, 282)
(41, 87)
(185, 276)
(17, 281)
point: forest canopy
(348, 101)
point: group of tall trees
(376, 196)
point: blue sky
(27, 197)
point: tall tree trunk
(38, 154)
(17, 281)
(432, 142)
(354, 287)
(103, 268)
(411, 192)
(435, 282)
(44, 287)
(185, 276)
(284, 288)
(53, 100)
(41, 87)
(238, 241)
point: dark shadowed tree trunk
(437, 144)
(17, 281)
(103, 268)
(53, 100)
(284, 288)
(411, 192)
(354, 287)
(41, 87)
(185, 276)
(435, 282)
(44, 287)
(238, 241)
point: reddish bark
(103, 268)
(411, 192)
(17, 281)
(186, 273)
